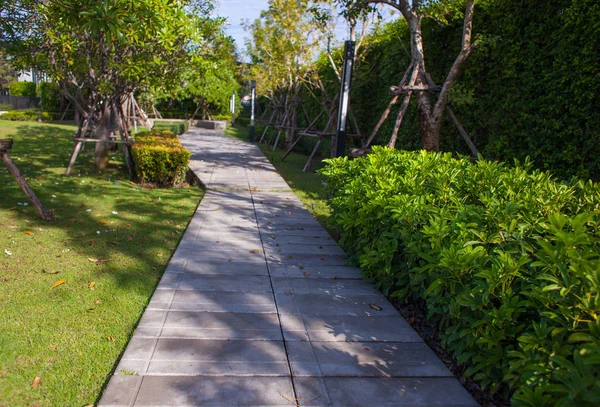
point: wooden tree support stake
(5, 145)
(463, 133)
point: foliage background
(531, 88)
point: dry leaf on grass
(92, 284)
(97, 302)
(59, 282)
(110, 338)
(28, 232)
(375, 307)
(36, 382)
(96, 261)
(50, 272)
(103, 222)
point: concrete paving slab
(308, 260)
(331, 272)
(326, 304)
(309, 249)
(219, 358)
(364, 359)
(321, 239)
(382, 392)
(322, 286)
(121, 391)
(228, 268)
(247, 256)
(182, 391)
(221, 283)
(219, 325)
(334, 328)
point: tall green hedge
(532, 87)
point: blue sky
(238, 11)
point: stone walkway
(257, 308)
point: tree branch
(466, 50)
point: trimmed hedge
(161, 134)
(505, 259)
(24, 116)
(175, 127)
(160, 158)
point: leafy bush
(22, 89)
(5, 107)
(49, 94)
(24, 115)
(163, 134)
(175, 127)
(160, 158)
(506, 260)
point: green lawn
(308, 186)
(110, 244)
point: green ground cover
(110, 245)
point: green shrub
(24, 115)
(49, 94)
(163, 134)
(22, 89)
(5, 107)
(175, 127)
(506, 260)
(156, 140)
(160, 158)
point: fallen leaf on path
(288, 293)
(92, 284)
(254, 251)
(59, 282)
(36, 382)
(28, 232)
(375, 307)
(306, 273)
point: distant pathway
(257, 308)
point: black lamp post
(340, 145)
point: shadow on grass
(108, 231)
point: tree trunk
(103, 133)
(430, 114)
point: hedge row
(160, 158)
(505, 259)
(25, 115)
(175, 127)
